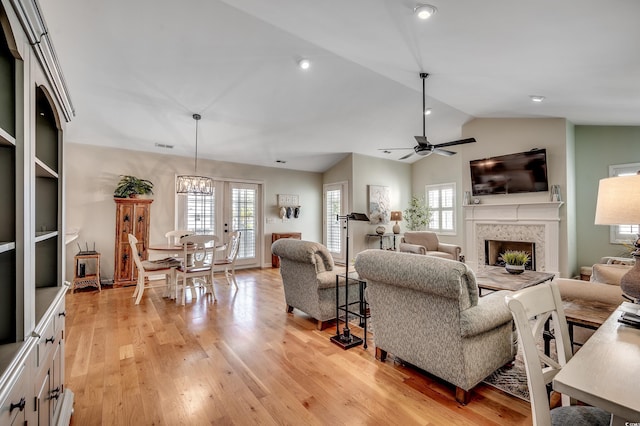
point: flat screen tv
(510, 174)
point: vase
(514, 269)
(380, 230)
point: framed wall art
(379, 204)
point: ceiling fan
(424, 147)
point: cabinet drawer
(59, 317)
(14, 406)
(46, 343)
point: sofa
(426, 311)
(602, 288)
(309, 279)
(427, 243)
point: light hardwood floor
(243, 360)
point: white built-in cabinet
(34, 109)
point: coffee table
(495, 278)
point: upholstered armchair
(425, 242)
(426, 311)
(309, 279)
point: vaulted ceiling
(137, 70)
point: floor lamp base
(346, 341)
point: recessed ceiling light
(386, 151)
(304, 64)
(427, 111)
(536, 98)
(281, 161)
(424, 11)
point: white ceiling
(137, 71)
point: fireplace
(537, 223)
(493, 250)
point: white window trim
(453, 208)
(344, 189)
(615, 237)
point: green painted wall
(596, 148)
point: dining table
(605, 371)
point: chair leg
(462, 396)
(381, 354)
(139, 288)
(233, 276)
(289, 309)
(320, 325)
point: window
(198, 213)
(441, 200)
(334, 204)
(621, 234)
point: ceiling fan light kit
(424, 11)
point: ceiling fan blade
(404, 157)
(443, 152)
(458, 142)
(422, 140)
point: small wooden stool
(86, 280)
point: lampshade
(619, 204)
(194, 184)
(396, 215)
(618, 201)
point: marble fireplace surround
(531, 222)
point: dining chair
(531, 308)
(197, 263)
(146, 269)
(228, 263)
(173, 237)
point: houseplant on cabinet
(131, 186)
(515, 261)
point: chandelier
(194, 184)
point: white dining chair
(228, 263)
(173, 237)
(531, 308)
(197, 263)
(146, 269)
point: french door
(233, 206)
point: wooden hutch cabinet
(132, 217)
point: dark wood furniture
(275, 260)
(132, 217)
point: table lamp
(619, 204)
(397, 216)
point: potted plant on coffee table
(515, 261)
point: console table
(382, 237)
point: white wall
(360, 171)
(91, 174)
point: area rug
(512, 378)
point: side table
(382, 237)
(347, 340)
(83, 279)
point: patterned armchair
(426, 311)
(309, 278)
(426, 242)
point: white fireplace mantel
(532, 222)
